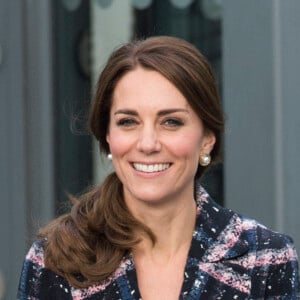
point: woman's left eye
(172, 122)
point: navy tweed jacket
(231, 257)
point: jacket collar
(219, 232)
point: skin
(156, 139)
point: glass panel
(212, 9)
(141, 4)
(73, 164)
(104, 3)
(181, 3)
(71, 5)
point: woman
(150, 231)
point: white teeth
(151, 168)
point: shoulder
(273, 261)
(262, 238)
(257, 236)
(240, 234)
(35, 254)
(268, 246)
(265, 259)
(38, 281)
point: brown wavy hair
(87, 245)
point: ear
(208, 142)
(108, 138)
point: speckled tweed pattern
(231, 257)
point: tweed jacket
(230, 257)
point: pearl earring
(204, 160)
(109, 156)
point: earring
(204, 160)
(109, 156)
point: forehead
(142, 88)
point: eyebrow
(160, 113)
(126, 112)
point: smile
(151, 168)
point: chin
(153, 198)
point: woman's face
(155, 138)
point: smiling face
(155, 138)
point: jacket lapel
(219, 232)
(219, 238)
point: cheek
(187, 146)
(119, 143)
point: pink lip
(150, 175)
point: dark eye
(126, 122)
(173, 122)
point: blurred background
(51, 53)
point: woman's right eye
(126, 122)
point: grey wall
(26, 162)
(261, 41)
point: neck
(173, 226)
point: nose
(148, 141)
